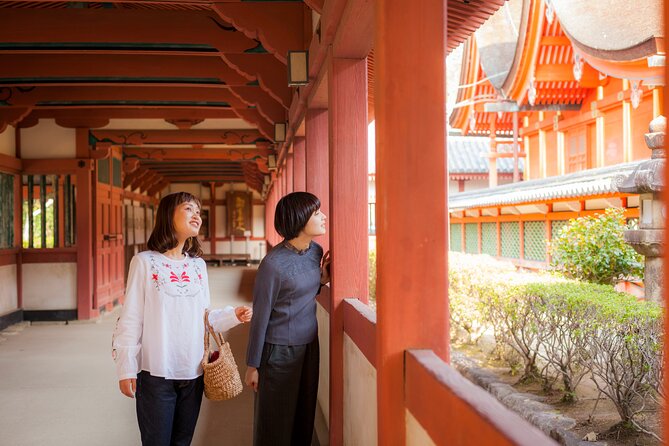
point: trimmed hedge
(563, 330)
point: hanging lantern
(532, 92)
(635, 95)
(550, 11)
(577, 69)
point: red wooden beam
(271, 74)
(147, 137)
(195, 154)
(95, 67)
(150, 27)
(103, 95)
(204, 178)
(279, 26)
(267, 106)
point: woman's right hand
(251, 378)
(128, 387)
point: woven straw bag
(221, 377)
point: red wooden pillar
(299, 164)
(212, 218)
(317, 171)
(84, 219)
(347, 98)
(411, 216)
(290, 185)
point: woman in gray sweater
(283, 355)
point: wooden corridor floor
(58, 384)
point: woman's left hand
(325, 267)
(244, 313)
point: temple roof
(580, 184)
(466, 154)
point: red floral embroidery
(154, 277)
(174, 278)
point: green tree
(593, 249)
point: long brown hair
(163, 237)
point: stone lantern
(647, 180)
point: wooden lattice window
(6, 211)
(472, 238)
(456, 237)
(489, 238)
(534, 240)
(556, 226)
(48, 211)
(510, 239)
(577, 151)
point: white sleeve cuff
(223, 319)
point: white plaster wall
(256, 248)
(324, 374)
(8, 141)
(48, 140)
(258, 221)
(8, 295)
(360, 414)
(221, 221)
(416, 434)
(49, 286)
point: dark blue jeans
(167, 409)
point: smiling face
(316, 224)
(187, 220)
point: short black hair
(293, 211)
(163, 237)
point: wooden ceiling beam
(279, 26)
(154, 112)
(209, 178)
(99, 68)
(144, 137)
(105, 94)
(267, 106)
(196, 31)
(271, 74)
(196, 154)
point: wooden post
(492, 172)
(412, 210)
(347, 98)
(317, 173)
(84, 220)
(212, 218)
(299, 164)
(290, 178)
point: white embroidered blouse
(161, 326)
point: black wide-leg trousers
(285, 404)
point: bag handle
(209, 330)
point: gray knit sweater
(284, 304)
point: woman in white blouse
(157, 344)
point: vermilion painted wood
(85, 229)
(134, 113)
(455, 411)
(665, 197)
(318, 174)
(8, 256)
(268, 107)
(270, 73)
(411, 208)
(278, 26)
(10, 164)
(54, 255)
(112, 65)
(253, 117)
(299, 164)
(347, 97)
(360, 326)
(102, 25)
(290, 179)
(102, 94)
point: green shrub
(372, 277)
(593, 249)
